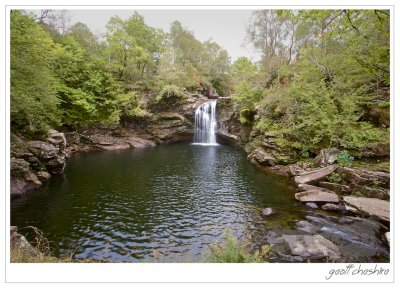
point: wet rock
(311, 205)
(114, 147)
(315, 175)
(363, 177)
(330, 207)
(378, 193)
(337, 188)
(55, 165)
(312, 247)
(18, 167)
(43, 176)
(327, 156)
(137, 142)
(267, 212)
(42, 150)
(317, 195)
(307, 227)
(372, 206)
(273, 238)
(21, 185)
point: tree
(34, 104)
(133, 48)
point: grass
(41, 253)
(234, 252)
(231, 251)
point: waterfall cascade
(206, 124)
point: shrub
(233, 252)
(246, 116)
(344, 158)
(170, 94)
(335, 178)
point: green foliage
(344, 158)
(358, 194)
(233, 252)
(34, 103)
(170, 94)
(246, 116)
(335, 178)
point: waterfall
(206, 124)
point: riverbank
(343, 197)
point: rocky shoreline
(349, 197)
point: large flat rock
(312, 247)
(372, 206)
(315, 175)
(316, 194)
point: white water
(206, 124)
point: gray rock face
(317, 195)
(330, 207)
(268, 211)
(312, 247)
(262, 157)
(337, 188)
(137, 142)
(372, 206)
(57, 139)
(19, 242)
(42, 150)
(327, 156)
(378, 193)
(363, 177)
(20, 185)
(307, 227)
(311, 205)
(43, 176)
(315, 175)
(18, 167)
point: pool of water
(166, 203)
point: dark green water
(161, 204)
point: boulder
(337, 188)
(57, 138)
(18, 167)
(307, 227)
(19, 242)
(311, 205)
(317, 195)
(330, 207)
(327, 156)
(137, 142)
(20, 185)
(55, 165)
(378, 193)
(372, 206)
(262, 157)
(267, 212)
(364, 177)
(298, 169)
(42, 150)
(43, 176)
(312, 247)
(315, 175)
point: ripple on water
(167, 203)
